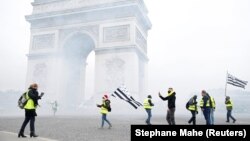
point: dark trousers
(229, 115)
(193, 118)
(206, 113)
(149, 116)
(170, 116)
(26, 121)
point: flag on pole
(123, 94)
(235, 81)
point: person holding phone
(30, 110)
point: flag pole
(226, 85)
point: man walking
(229, 105)
(192, 107)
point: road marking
(14, 134)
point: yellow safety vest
(146, 104)
(192, 107)
(169, 94)
(213, 102)
(202, 103)
(30, 103)
(103, 109)
(230, 104)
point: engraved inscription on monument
(116, 33)
(43, 41)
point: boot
(20, 134)
(32, 134)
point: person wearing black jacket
(30, 110)
(171, 105)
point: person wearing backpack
(105, 108)
(192, 107)
(32, 97)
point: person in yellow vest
(30, 110)
(229, 105)
(171, 105)
(147, 104)
(105, 108)
(192, 107)
(205, 106)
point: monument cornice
(132, 7)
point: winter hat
(106, 96)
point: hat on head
(105, 96)
(149, 96)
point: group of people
(207, 105)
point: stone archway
(74, 53)
(64, 32)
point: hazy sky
(191, 45)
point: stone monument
(64, 32)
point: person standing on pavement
(147, 104)
(171, 105)
(205, 106)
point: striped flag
(123, 94)
(235, 81)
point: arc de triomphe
(64, 32)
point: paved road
(86, 128)
(9, 136)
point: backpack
(187, 105)
(22, 100)
(109, 109)
(108, 105)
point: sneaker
(227, 121)
(110, 126)
(234, 121)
